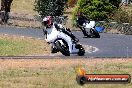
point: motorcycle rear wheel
(94, 33)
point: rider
(48, 23)
(81, 19)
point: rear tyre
(94, 33)
(63, 48)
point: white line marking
(90, 49)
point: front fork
(73, 48)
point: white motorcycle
(62, 39)
(87, 27)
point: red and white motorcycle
(61, 38)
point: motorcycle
(88, 28)
(62, 39)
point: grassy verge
(13, 46)
(59, 73)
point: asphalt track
(109, 45)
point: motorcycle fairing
(89, 25)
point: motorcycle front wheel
(81, 50)
(63, 48)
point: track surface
(109, 45)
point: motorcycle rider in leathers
(48, 23)
(81, 18)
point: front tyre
(94, 33)
(63, 48)
(81, 50)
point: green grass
(8, 47)
(61, 76)
(13, 46)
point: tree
(95, 9)
(50, 7)
(115, 2)
(6, 5)
(71, 3)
